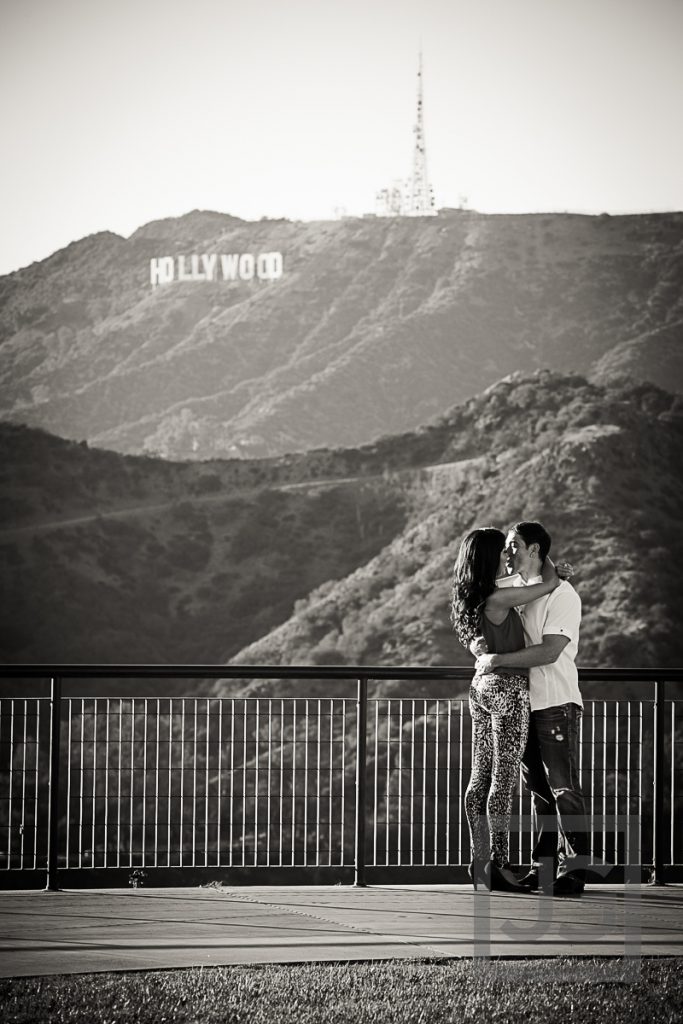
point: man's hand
(487, 663)
(478, 646)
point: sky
(116, 114)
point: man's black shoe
(567, 885)
(530, 880)
(540, 877)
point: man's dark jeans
(550, 767)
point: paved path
(77, 931)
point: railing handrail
(351, 672)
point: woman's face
(502, 565)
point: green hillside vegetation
(345, 556)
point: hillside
(375, 327)
(345, 556)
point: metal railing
(335, 787)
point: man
(550, 764)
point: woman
(499, 702)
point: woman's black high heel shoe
(502, 879)
(478, 873)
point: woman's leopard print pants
(499, 706)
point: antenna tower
(420, 197)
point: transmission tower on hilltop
(415, 197)
(421, 198)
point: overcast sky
(118, 113)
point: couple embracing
(520, 617)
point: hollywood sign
(234, 266)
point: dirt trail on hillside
(135, 510)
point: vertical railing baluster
(11, 784)
(317, 801)
(118, 802)
(81, 783)
(425, 720)
(604, 782)
(219, 788)
(672, 798)
(245, 746)
(460, 771)
(39, 704)
(232, 775)
(22, 827)
(93, 837)
(156, 783)
(145, 724)
(436, 788)
(387, 788)
(581, 756)
(219, 793)
(294, 781)
(657, 875)
(375, 801)
(413, 729)
(257, 755)
(269, 801)
(194, 782)
(592, 800)
(329, 815)
(206, 788)
(52, 882)
(306, 782)
(616, 780)
(170, 780)
(67, 704)
(627, 855)
(343, 776)
(399, 857)
(182, 781)
(639, 852)
(282, 775)
(361, 740)
(449, 712)
(106, 784)
(131, 802)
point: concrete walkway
(78, 931)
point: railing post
(657, 875)
(53, 784)
(361, 747)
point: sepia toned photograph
(341, 364)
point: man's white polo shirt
(556, 613)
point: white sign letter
(161, 270)
(183, 275)
(269, 266)
(229, 267)
(246, 266)
(209, 264)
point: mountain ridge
(345, 556)
(377, 325)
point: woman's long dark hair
(474, 578)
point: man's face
(517, 554)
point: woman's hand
(565, 570)
(478, 646)
(486, 663)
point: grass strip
(423, 992)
